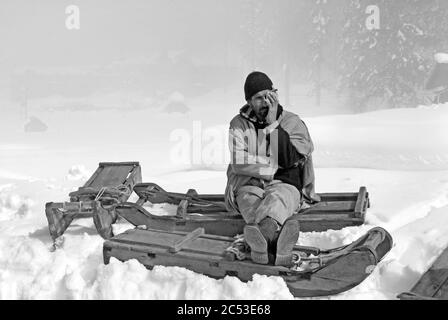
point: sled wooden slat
(339, 196)
(434, 282)
(186, 240)
(341, 217)
(361, 203)
(93, 177)
(168, 240)
(334, 206)
(111, 176)
(324, 206)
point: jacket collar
(248, 113)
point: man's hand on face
(272, 101)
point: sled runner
(335, 211)
(112, 183)
(433, 285)
(315, 272)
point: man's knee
(281, 202)
(287, 193)
(248, 199)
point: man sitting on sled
(271, 172)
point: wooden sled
(329, 272)
(433, 285)
(112, 183)
(335, 211)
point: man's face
(260, 105)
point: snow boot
(270, 229)
(287, 239)
(257, 243)
(261, 238)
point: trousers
(277, 200)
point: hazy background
(141, 69)
(316, 51)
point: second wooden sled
(110, 184)
(335, 211)
(334, 271)
(433, 285)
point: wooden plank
(197, 242)
(110, 164)
(192, 208)
(109, 175)
(433, 283)
(327, 206)
(93, 177)
(112, 176)
(342, 216)
(182, 208)
(442, 292)
(187, 239)
(139, 235)
(339, 196)
(361, 203)
(332, 206)
(162, 239)
(327, 217)
(155, 251)
(335, 196)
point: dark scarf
(248, 113)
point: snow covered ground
(400, 155)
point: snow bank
(28, 270)
(12, 205)
(131, 280)
(397, 139)
(78, 172)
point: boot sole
(257, 243)
(287, 239)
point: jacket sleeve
(299, 136)
(288, 156)
(243, 162)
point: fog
(150, 51)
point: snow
(78, 172)
(400, 155)
(441, 57)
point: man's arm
(288, 156)
(299, 136)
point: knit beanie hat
(256, 82)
